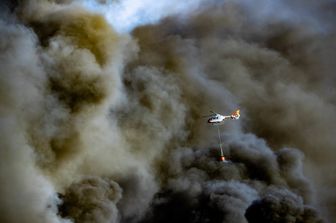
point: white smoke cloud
(20, 96)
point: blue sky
(126, 14)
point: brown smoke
(92, 200)
(278, 71)
(98, 126)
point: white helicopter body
(217, 119)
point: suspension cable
(220, 141)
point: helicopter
(218, 119)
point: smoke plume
(102, 126)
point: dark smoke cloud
(92, 200)
(279, 70)
(98, 126)
(279, 205)
(200, 189)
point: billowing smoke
(100, 126)
(92, 200)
